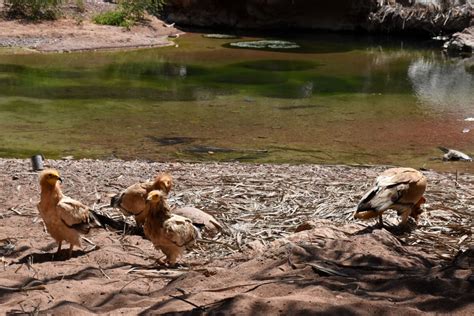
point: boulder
(461, 43)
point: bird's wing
(391, 186)
(198, 217)
(132, 201)
(73, 213)
(395, 176)
(381, 198)
(216, 224)
(180, 231)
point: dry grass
(421, 18)
(255, 202)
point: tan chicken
(64, 217)
(168, 232)
(400, 189)
(132, 201)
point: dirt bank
(76, 32)
(339, 266)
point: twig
(189, 302)
(103, 272)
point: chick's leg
(380, 220)
(172, 259)
(405, 215)
(59, 247)
(160, 261)
(70, 250)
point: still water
(316, 99)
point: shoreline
(67, 35)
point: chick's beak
(60, 179)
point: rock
(305, 226)
(461, 43)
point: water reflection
(445, 86)
(354, 101)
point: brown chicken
(400, 189)
(132, 201)
(64, 217)
(168, 232)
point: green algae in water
(266, 44)
(341, 106)
(280, 65)
(221, 36)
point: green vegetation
(33, 9)
(81, 6)
(115, 18)
(130, 12)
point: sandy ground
(338, 267)
(76, 32)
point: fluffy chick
(168, 232)
(400, 189)
(132, 201)
(64, 217)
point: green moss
(280, 65)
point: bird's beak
(60, 179)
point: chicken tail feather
(116, 200)
(83, 227)
(94, 220)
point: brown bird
(64, 217)
(400, 189)
(208, 224)
(132, 201)
(168, 232)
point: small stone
(305, 226)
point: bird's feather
(396, 188)
(180, 231)
(132, 200)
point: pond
(305, 99)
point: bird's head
(50, 176)
(164, 182)
(155, 196)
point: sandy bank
(67, 35)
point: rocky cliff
(272, 14)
